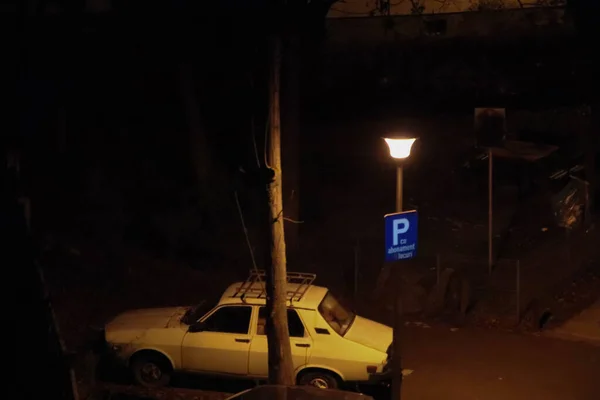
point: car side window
(295, 325)
(229, 320)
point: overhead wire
(252, 130)
(247, 236)
(237, 200)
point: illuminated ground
(463, 365)
(583, 327)
(489, 365)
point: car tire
(320, 379)
(151, 370)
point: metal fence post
(490, 212)
(518, 290)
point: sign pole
(398, 323)
(490, 212)
(401, 233)
(399, 188)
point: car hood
(370, 333)
(147, 318)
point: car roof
(303, 297)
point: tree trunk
(280, 353)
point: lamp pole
(490, 212)
(399, 187)
(398, 320)
(399, 150)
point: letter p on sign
(400, 227)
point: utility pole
(278, 337)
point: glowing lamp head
(400, 148)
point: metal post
(518, 288)
(438, 268)
(398, 323)
(490, 212)
(356, 249)
(399, 188)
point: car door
(300, 340)
(222, 345)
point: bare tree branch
(417, 7)
(444, 4)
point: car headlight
(115, 348)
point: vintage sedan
(331, 345)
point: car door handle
(302, 345)
(242, 340)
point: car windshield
(337, 316)
(194, 313)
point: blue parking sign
(401, 235)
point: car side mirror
(197, 327)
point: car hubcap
(151, 373)
(320, 383)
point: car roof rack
(255, 285)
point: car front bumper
(385, 376)
(381, 378)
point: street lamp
(400, 151)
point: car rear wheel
(151, 370)
(319, 379)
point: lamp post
(490, 212)
(399, 151)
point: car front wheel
(321, 380)
(151, 370)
